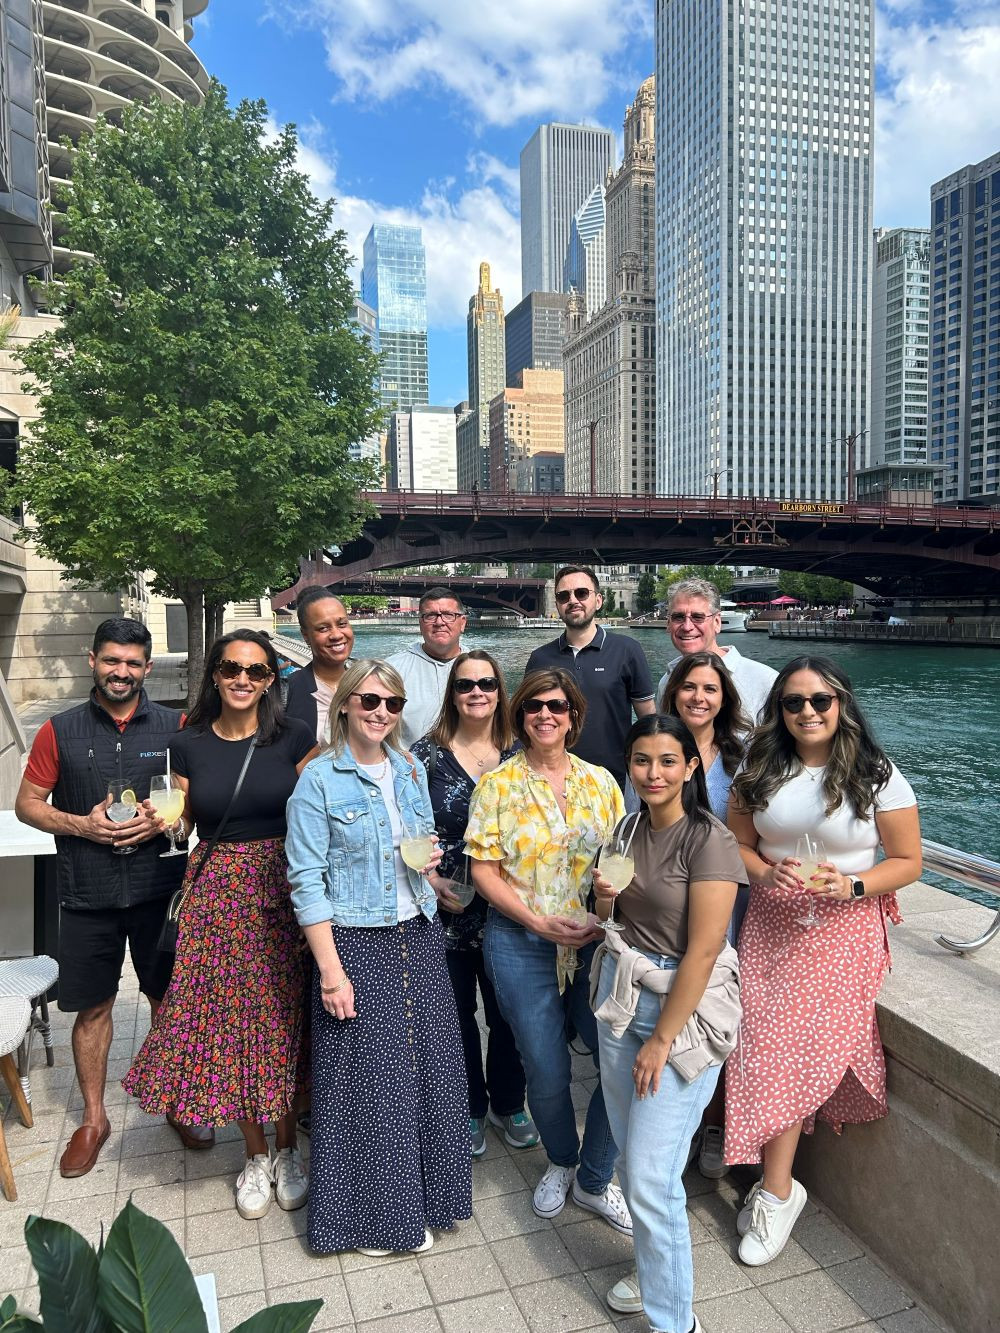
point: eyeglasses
(794, 703)
(488, 684)
(574, 595)
(695, 617)
(449, 617)
(555, 706)
(256, 671)
(370, 701)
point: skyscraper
(394, 284)
(535, 333)
(525, 419)
(900, 316)
(560, 165)
(487, 377)
(586, 263)
(964, 393)
(763, 217)
(608, 360)
(421, 449)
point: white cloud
(519, 59)
(938, 106)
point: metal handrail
(965, 868)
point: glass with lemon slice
(122, 806)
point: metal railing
(977, 872)
(963, 631)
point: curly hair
(731, 726)
(856, 770)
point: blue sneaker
(518, 1129)
(477, 1133)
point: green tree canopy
(645, 593)
(197, 402)
(720, 575)
(814, 588)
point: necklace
(385, 766)
(223, 737)
(551, 781)
(480, 763)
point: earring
(215, 685)
(265, 691)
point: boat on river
(734, 621)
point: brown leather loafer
(192, 1136)
(83, 1150)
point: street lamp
(719, 472)
(849, 441)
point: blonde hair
(356, 674)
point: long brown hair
(730, 726)
(448, 721)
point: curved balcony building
(100, 55)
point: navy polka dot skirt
(389, 1149)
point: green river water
(936, 712)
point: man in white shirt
(694, 618)
(425, 666)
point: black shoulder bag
(167, 942)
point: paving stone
(482, 1314)
(716, 1212)
(336, 1311)
(210, 1194)
(28, 1300)
(30, 1158)
(499, 1175)
(12, 1219)
(48, 1128)
(826, 1242)
(593, 1244)
(910, 1321)
(153, 1139)
(389, 1289)
(534, 1257)
(793, 1259)
(235, 1272)
(85, 1215)
(233, 1310)
(225, 1159)
(17, 1272)
(157, 1169)
(463, 1235)
(416, 1321)
(715, 1273)
(813, 1303)
(32, 1188)
(561, 1304)
(508, 1215)
(208, 1232)
(292, 1260)
(873, 1289)
(277, 1224)
(740, 1312)
(462, 1273)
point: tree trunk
(194, 599)
(214, 612)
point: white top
(425, 680)
(798, 808)
(753, 680)
(406, 904)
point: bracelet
(332, 990)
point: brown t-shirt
(653, 910)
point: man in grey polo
(610, 669)
(694, 618)
(426, 666)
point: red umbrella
(785, 601)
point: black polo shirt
(612, 673)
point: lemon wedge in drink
(128, 797)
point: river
(935, 711)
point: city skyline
(394, 141)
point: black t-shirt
(212, 766)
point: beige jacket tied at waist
(709, 1034)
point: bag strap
(432, 761)
(225, 818)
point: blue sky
(416, 111)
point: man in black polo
(611, 670)
(113, 887)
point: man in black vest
(113, 887)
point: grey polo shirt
(612, 673)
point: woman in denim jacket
(389, 1150)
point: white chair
(15, 1018)
(30, 979)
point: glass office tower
(560, 165)
(394, 284)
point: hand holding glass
(167, 799)
(617, 866)
(810, 852)
(416, 846)
(122, 807)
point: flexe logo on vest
(152, 754)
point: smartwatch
(857, 888)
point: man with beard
(610, 669)
(113, 887)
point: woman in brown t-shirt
(664, 1037)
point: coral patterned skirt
(808, 1044)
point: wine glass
(167, 799)
(122, 806)
(416, 846)
(617, 866)
(811, 853)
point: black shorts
(92, 951)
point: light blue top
(341, 860)
(718, 782)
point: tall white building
(900, 325)
(763, 226)
(560, 165)
(586, 264)
(421, 449)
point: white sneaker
(746, 1212)
(770, 1226)
(254, 1187)
(624, 1295)
(291, 1184)
(610, 1205)
(425, 1244)
(711, 1162)
(551, 1190)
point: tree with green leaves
(645, 593)
(720, 575)
(197, 402)
(816, 589)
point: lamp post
(849, 441)
(592, 426)
(719, 472)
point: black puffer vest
(92, 751)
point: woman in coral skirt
(809, 1044)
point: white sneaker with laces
(624, 1295)
(291, 1184)
(770, 1226)
(711, 1162)
(610, 1205)
(551, 1190)
(425, 1244)
(746, 1212)
(254, 1187)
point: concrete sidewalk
(505, 1271)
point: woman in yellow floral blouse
(535, 825)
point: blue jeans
(522, 968)
(655, 1136)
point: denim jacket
(341, 863)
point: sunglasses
(256, 671)
(555, 706)
(574, 595)
(488, 684)
(695, 617)
(794, 703)
(370, 701)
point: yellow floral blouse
(514, 819)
